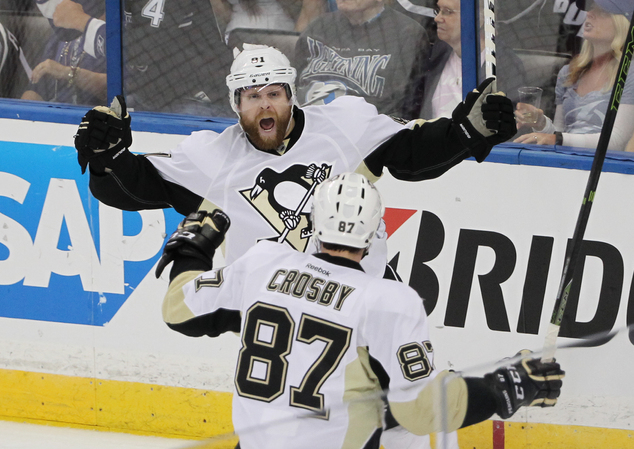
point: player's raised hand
(198, 236)
(484, 119)
(527, 382)
(104, 133)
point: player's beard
(252, 129)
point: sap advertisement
(64, 256)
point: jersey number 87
(267, 341)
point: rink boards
(82, 340)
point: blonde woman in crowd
(584, 86)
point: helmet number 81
(345, 227)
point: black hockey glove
(484, 119)
(525, 383)
(198, 235)
(104, 133)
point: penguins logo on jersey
(284, 201)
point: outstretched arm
(119, 178)
(527, 382)
(135, 184)
(429, 148)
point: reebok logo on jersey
(318, 269)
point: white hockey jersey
(317, 335)
(267, 196)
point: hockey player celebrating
(319, 339)
(263, 171)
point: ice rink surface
(15, 435)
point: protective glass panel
(403, 57)
(175, 58)
(533, 43)
(53, 50)
(178, 53)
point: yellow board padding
(541, 436)
(147, 409)
(551, 436)
(478, 436)
(47, 397)
(115, 405)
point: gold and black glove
(484, 119)
(197, 236)
(529, 382)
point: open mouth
(267, 124)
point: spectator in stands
(365, 48)
(584, 86)
(440, 89)
(171, 52)
(74, 70)
(283, 15)
(176, 58)
(14, 68)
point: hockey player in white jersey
(263, 171)
(321, 338)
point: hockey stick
(490, 61)
(572, 257)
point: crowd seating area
(187, 60)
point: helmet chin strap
(290, 124)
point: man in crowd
(287, 304)
(72, 68)
(365, 48)
(169, 47)
(440, 89)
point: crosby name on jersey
(304, 285)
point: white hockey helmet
(259, 65)
(347, 210)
